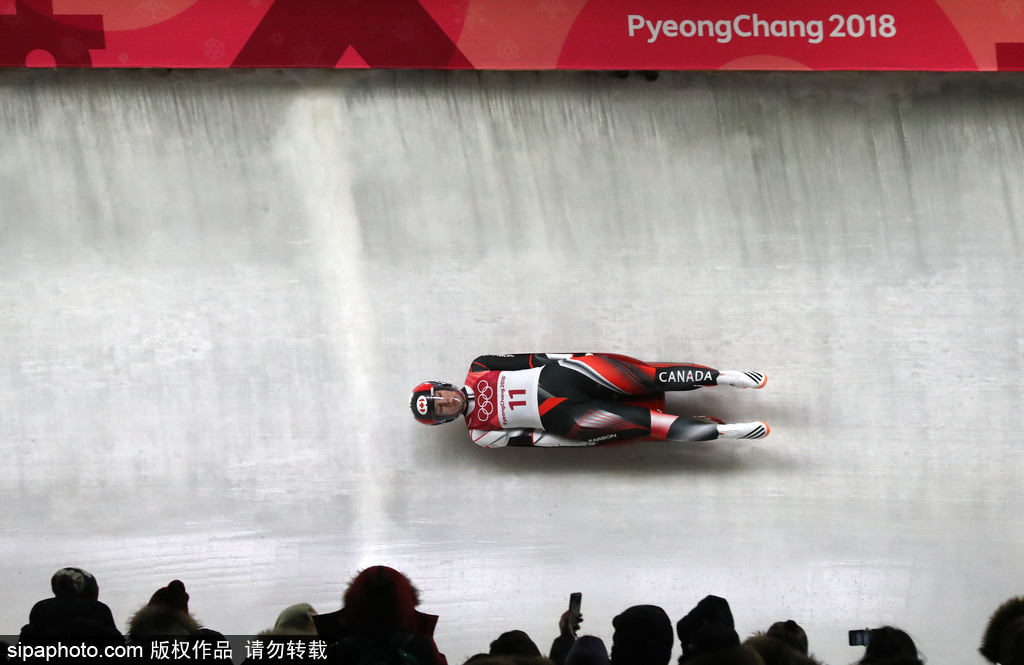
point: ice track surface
(218, 288)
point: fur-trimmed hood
(774, 651)
(380, 601)
(382, 596)
(162, 620)
(1003, 641)
(738, 655)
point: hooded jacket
(774, 651)
(1003, 641)
(379, 603)
(73, 610)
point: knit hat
(707, 628)
(296, 620)
(643, 635)
(587, 650)
(173, 595)
(711, 609)
(791, 633)
(514, 643)
(74, 583)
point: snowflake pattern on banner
(476, 16)
(552, 6)
(154, 8)
(508, 50)
(308, 55)
(214, 49)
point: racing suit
(578, 399)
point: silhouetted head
(707, 628)
(587, 650)
(1003, 641)
(514, 643)
(381, 600)
(791, 633)
(74, 583)
(643, 636)
(888, 643)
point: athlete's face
(449, 402)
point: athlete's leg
(605, 421)
(755, 430)
(621, 375)
(742, 379)
(578, 402)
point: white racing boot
(741, 379)
(757, 430)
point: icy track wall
(946, 35)
(218, 288)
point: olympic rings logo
(485, 399)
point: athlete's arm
(514, 361)
(502, 438)
(547, 440)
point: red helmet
(422, 402)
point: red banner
(915, 35)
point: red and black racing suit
(565, 399)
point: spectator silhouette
(293, 620)
(568, 626)
(74, 610)
(167, 617)
(785, 643)
(890, 646)
(379, 612)
(294, 624)
(588, 650)
(514, 643)
(513, 647)
(488, 659)
(707, 635)
(165, 614)
(1003, 641)
(643, 636)
(566, 649)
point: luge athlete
(578, 399)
